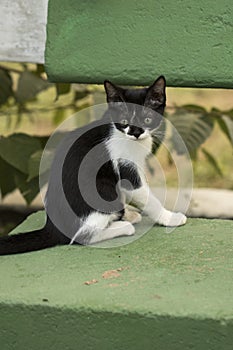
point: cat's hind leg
(100, 227)
(115, 229)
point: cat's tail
(28, 242)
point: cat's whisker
(159, 135)
(158, 131)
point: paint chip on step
(88, 283)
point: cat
(97, 169)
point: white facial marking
(131, 137)
(144, 135)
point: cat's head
(137, 112)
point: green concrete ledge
(132, 42)
(166, 291)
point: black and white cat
(97, 169)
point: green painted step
(132, 42)
(167, 291)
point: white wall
(23, 30)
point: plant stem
(10, 69)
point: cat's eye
(124, 122)
(148, 120)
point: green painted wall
(174, 292)
(132, 42)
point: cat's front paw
(132, 216)
(169, 218)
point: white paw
(123, 228)
(132, 216)
(130, 230)
(168, 218)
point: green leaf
(34, 221)
(29, 85)
(193, 155)
(194, 108)
(229, 124)
(229, 113)
(5, 86)
(7, 183)
(193, 128)
(59, 116)
(215, 112)
(62, 89)
(28, 189)
(212, 161)
(43, 140)
(80, 94)
(226, 125)
(16, 150)
(34, 164)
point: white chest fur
(122, 147)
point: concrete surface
(23, 30)
(164, 291)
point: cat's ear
(113, 92)
(156, 95)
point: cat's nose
(135, 131)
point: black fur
(129, 173)
(107, 179)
